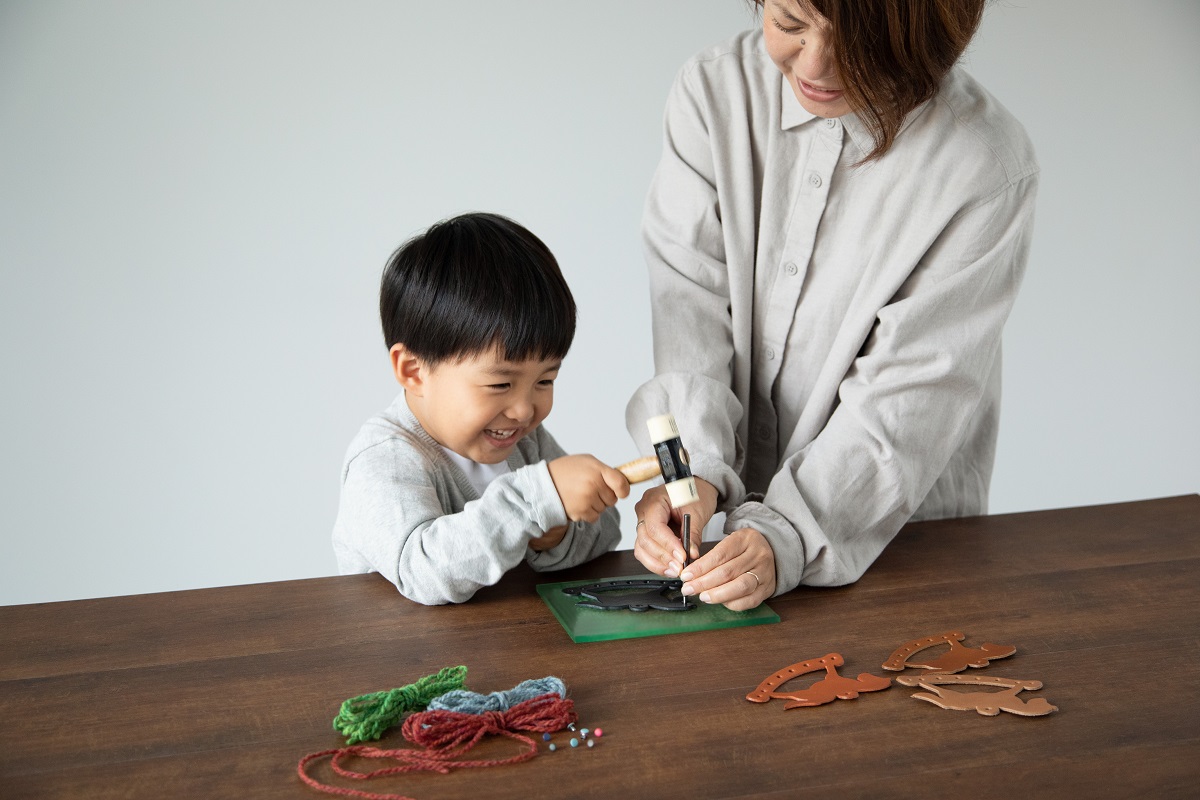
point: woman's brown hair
(891, 55)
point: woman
(835, 236)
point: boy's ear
(408, 369)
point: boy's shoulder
(396, 432)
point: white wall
(197, 199)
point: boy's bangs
(524, 322)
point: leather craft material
(956, 659)
(661, 594)
(989, 704)
(591, 625)
(832, 687)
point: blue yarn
(468, 702)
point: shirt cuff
(537, 487)
(729, 486)
(555, 555)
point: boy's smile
(480, 406)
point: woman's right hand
(657, 545)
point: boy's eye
(546, 382)
(499, 387)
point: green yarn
(367, 716)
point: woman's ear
(409, 370)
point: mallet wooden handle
(642, 469)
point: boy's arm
(583, 541)
(397, 518)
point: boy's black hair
(474, 282)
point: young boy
(457, 481)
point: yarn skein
(368, 716)
(444, 736)
(468, 702)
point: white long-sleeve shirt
(828, 336)
(410, 513)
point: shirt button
(764, 432)
(814, 179)
(770, 354)
(831, 123)
(791, 268)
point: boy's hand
(549, 539)
(586, 486)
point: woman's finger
(739, 572)
(654, 539)
(654, 516)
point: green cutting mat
(596, 625)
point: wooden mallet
(670, 460)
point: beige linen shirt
(828, 335)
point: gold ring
(757, 582)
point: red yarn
(445, 735)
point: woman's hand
(738, 572)
(657, 545)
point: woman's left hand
(739, 572)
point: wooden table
(219, 692)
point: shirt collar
(793, 115)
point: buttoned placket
(810, 188)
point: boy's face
(479, 407)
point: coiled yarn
(367, 717)
(443, 737)
(468, 702)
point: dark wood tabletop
(220, 692)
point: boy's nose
(521, 410)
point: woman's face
(798, 41)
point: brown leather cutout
(831, 687)
(956, 660)
(989, 704)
